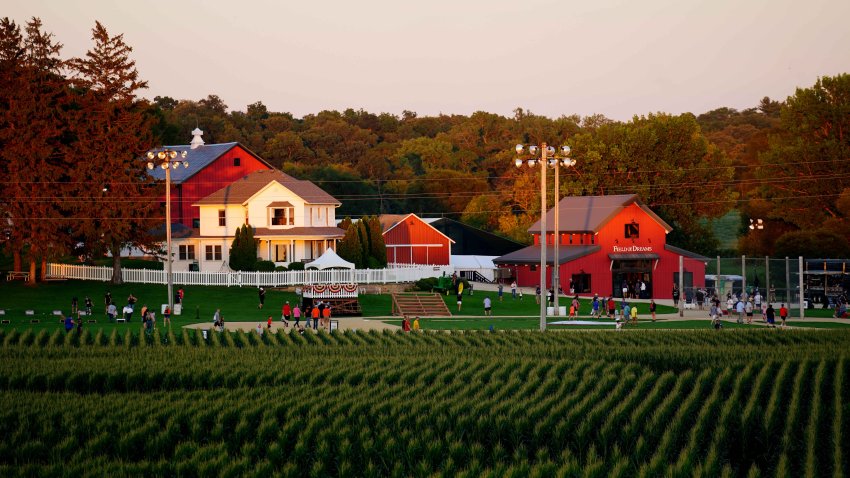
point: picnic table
(25, 276)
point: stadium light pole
(544, 156)
(168, 159)
(555, 162)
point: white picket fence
(253, 279)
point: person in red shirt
(611, 307)
(326, 317)
(269, 321)
(783, 314)
(286, 312)
(315, 314)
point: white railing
(254, 279)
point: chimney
(196, 140)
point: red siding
(411, 236)
(598, 265)
(213, 177)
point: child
(166, 316)
(269, 321)
(572, 311)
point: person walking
(216, 319)
(405, 324)
(262, 294)
(315, 313)
(269, 322)
(69, 323)
(770, 315)
(416, 324)
(612, 306)
(487, 306)
(676, 296)
(595, 307)
(652, 308)
(166, 317)
(296, 314)
(285, 312)
(501, 290)
(513, 290)
(783, 314)
(180, 295)
(739, 309)
(576, 304)
(748, 309)
(537, 295)
(326, 317)
(89, 305)
(634, 315)
(627, 311)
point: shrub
(427, 284)
(280, 269)
(265, 266)
(296, 266)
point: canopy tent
(330, 260)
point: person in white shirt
(487, 306)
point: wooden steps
(419, 304)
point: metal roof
(198, 159)
(589, 214)
(531, 254)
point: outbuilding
(606, 243)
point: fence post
(787, 281)
(802, 310)
(766, 275)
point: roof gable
(589, 214)
(417, 218)
(240, 191)
(199, 158)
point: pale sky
(614, 57)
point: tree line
(73, 132)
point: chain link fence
(776, 280)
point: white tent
(330, 260)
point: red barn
(410, 240)
(606, 241)
(211, 167)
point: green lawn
(236, 304)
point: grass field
(505, 404)
(533, 323)
(238, 304)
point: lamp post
(167, 160)
(539, 156)
(557, 161)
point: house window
(222, 220)
(196, 223)
(213, 253)
(283, 216)
(237, 161)
(632, 230)
(187, 253)
(280, 252)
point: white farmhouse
(294, 220)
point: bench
(25, 276)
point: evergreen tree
(349, 248)
(33, 163)
(243, 250)
(116, 204)
(377, 247)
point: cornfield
(507, 404)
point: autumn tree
(116, 204)
(802, 173)
(33, 163)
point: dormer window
(237, 161)
(632, 230)
(281, 213)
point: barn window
(237, 161)
(632, 230)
